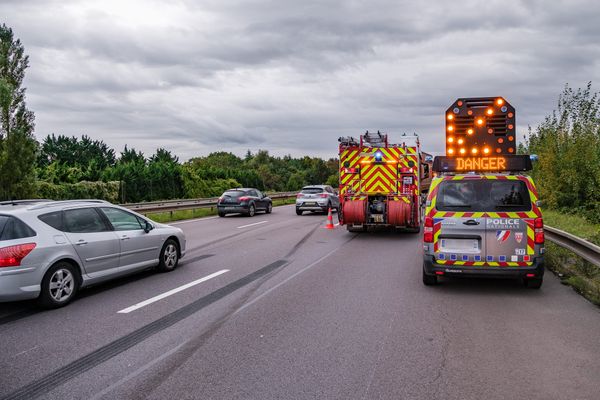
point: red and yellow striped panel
(485, 264)
(376, 178)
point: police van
(482, 216)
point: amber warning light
(481, 164)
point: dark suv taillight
(428, 230)
(539, 231)
(12, 256)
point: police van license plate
(459, 245)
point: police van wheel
(429, 280)
(535, 283)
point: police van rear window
(488, 195)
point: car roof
(315, 186)
(23, 206)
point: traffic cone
(329, 220)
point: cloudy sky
(292, 76)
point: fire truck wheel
(251, 210)
(429, 280)
(535, 283)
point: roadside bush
(108, 191)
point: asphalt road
(295, 311)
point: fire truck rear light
(439, 272)
(12, 256)
(450, 117)
(538, 223)
(351, 170)
(499, 101)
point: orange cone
(329, 220)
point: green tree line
(64, 160)
(567, 144)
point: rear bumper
(316, 207)
(19, 284)
(232, 209)
(537, 268)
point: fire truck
(381, 184)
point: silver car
(51, 249)
(317, 198)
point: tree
(18, 146)
(568, 146)
(91, 157)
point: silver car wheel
(170, 256)
(61, 285)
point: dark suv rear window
(234, 193)
(12, 228)
(312, 190)
(483, 195)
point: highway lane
(335, 315)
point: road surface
(277, 307)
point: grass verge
(171, 216)
(582, 276)
(574, 224)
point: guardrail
(577, 245)
(189, 204)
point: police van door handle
(471, 222)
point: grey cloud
(292, 76)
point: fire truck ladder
(371, 139)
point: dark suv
(245, 201)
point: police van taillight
(428, 230)
(538, 227)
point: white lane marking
(285, 281)
(256, 223)
(191, 220)
(170, 292)
(136, 373)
